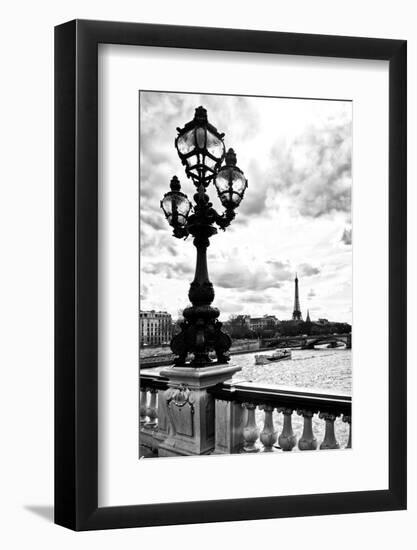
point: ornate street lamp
(230, 182)
(201, 149)
(176, 206)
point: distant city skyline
(297, 313)
(296, 217)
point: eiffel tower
(296, 314)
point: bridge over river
(308, 342)
(301, 342)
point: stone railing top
(151, 379)
(279, 396)
(241, 384)
(265, 394)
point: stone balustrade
(277, 408)
(247, 418)
(152, 422)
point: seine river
(324, 369)
(318, 369)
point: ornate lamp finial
(231, 158)
(200, 115)
(175, 184)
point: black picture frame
(76, 271)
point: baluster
(347, 419)
(251, 430)
(143, 405)
(268, 435)
(329, 441)
(152, 410)
(307, 442)
(287, 439)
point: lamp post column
(201, 331)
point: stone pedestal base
(230, 421)
(191, 409)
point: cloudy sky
(295, 216)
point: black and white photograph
(245, 312)
(209, 266)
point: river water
(322, 369)
(319, 369)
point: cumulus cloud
(256, 194)
(169, 269)
(240, 276)
(256, 298)
(315, 169)
(154, 219)
(281, 270)
(307, 270)
(231, 307)
(153, 242)
(236, 116)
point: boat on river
(333, 345)
(278, 355)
